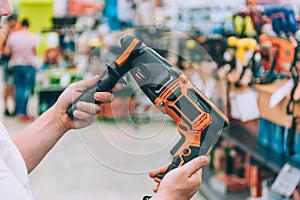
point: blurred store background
(238, 53)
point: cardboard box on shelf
(275, 112)
(227, 183)
(243, 104)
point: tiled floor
(104, 161)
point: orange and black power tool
(198, 120)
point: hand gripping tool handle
(115, 71)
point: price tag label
(287, 180)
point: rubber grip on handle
(187, 155)
(173, 165)
(87, 96)
(104, 85)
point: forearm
(35, 141)
(38, 138)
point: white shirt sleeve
(10, 187)
(14, 183)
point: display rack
(244, 139)
(212, 194)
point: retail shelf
(49, 88)
(211, 194)
(245, 140)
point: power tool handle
(87, 96)
(175, 164)
(104, 85)
(187, 155)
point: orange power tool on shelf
(198, 120)
(282, 51)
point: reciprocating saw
(198, 120)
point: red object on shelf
(255, 2)
(255, 182)
(228, 183)
(84, 7)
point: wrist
(159, 196)
(55, 117)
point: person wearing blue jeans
(21, 46)
(8, 85)
(24, 79)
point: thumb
(194, 165)
(85, 84)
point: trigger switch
(142, 72)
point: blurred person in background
(8, 87)
(20, 153)
(21, 46)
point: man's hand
(85, 113)
(181, 183)
(36, 140)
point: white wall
(296, 5)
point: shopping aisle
(104, 161)
(108, 160)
